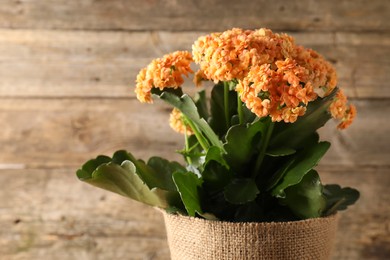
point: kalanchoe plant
(251, 148)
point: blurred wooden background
(67, 70)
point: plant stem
(187, 148)
(226, 103)
(239, 109)
(201, 139)
(263, 149)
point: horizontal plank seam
(289, 30)
(3, 97)
(35, 97)
(328, 167)
(104, 235)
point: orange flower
(177, 123)
(339, 105)
(321, 73)
(165, 72)
(288, 115)
(231, 54)
(340, 110)
(258, 106)
(306, 94)
(257, 82)
(198, 78)
(143, 87)
(292, 72)
(348, 117)
(285, 87)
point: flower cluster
(177, 122)
(340, 110)
(274, 76)
(230, 55)
(166, 72)
(278, 93)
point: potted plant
(247, 188)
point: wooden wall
(67, 70)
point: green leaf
(217, 120)
(174, 91)
(120, 156)
(249, 116)
(304, 162)
(164, 170)
(216, 154)
(152, 178)
(201, 103)
(241, 142)
(280, 173)
(147, 174)
(241, 191)
(216, 174)
(122, 179)
(188, 185)
(98, 171)
(339, 198)
(187, 106)
(91, 165)
(294, 135)
(306, 199)
(280, 151)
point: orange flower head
(198, 78)
(339, 109)
(285, 85)
(348, 118)
(321, 73)
(231, 54)
(165, 72)
(177, 123)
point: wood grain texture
(364, 229)
(51, 213)
(47, 133)
(41, 63)
(66, 74)
(57, 132)
(137, 15)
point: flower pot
(195, 238)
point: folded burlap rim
(195, 238)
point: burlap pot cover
(195, 238)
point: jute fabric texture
(194, 238)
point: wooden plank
(105, 64)
(52, 63)
(66, 132)
(51, 213)
(58, 132)
(196, 15)
(364, 229)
